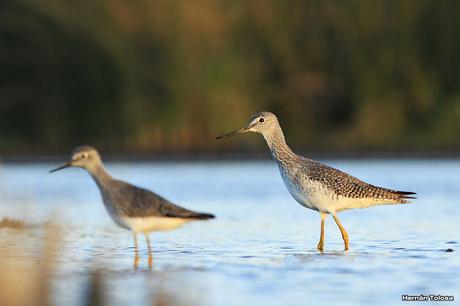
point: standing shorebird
(315, 185)
(131, 207)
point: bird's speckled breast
(294, 185)
(308, 193)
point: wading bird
(315, 185)
(131, 207)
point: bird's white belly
(149, 224)
(310, 194)
(143, 224)
(344, 203)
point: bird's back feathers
(133, 201)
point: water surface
(261, 248)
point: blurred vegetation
(160, 76)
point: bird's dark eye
(261, 120)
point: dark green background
(167, 76)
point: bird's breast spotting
(309, 193)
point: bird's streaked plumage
(315, 185)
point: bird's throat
(277, 144)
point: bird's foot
(320, 246)
(150, 262)
(136, 262)
(345, 241)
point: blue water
(261, 248)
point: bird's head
(85, 157)
(262, 122)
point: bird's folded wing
(144, 203)
(349, 186)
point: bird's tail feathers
(200, 216)
(405, 196)
(204, 216)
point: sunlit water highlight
(261, 248)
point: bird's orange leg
(320, 245)
(343, 231)
(136, 252)
(150, 251)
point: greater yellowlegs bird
(315, 185)
(131, 207)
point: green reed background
(161, 76)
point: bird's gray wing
(140, 202)
(349, 186)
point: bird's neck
(277, 144)
(100, 175)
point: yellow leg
(320, 246)
(136, 253)
(343, 231)
(150, 251)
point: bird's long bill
(237, 132)
(63, 166)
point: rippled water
(261, 248)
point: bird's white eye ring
(261, 120)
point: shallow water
(261, 248)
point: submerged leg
(343, 231)
(320, 245)
(150, 250)
(136, 252)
